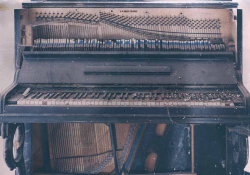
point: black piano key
(80, 96)
(104, 95)
(34, 96)
(175, 96)
(121, 96)
(134, 96)
(27, 95)
(54, 95)
(39, 95)
(150, 96)
(85, 95)
(162, 96)
(97, 95)
(75, 96)
(167, 96)
(114, 96)
(63, 95)
(155, 96)
(193, 97)
(109, 96)
(51, 95)
(210, 97)
(126, 96)
(92, 95)
(180, 96)
(68, 95)
(138, 96)
(222, 97)
(143, 96)
(46, 96)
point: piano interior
(139, 77)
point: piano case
(199, 136)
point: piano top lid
(133, 0)
(214, 4)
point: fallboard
(126, 69)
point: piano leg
(237, 148)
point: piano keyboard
(127, 45)
(143, 99)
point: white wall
(7, 50)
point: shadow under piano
(127, 87)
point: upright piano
(119, 66)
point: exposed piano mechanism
(135, 63)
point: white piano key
(53, 102)
(71, 101)
(118, 102)
(101, 102)
(40, 102)
(126, 103)
(105, 102)
(92, 102)
(113, 103)
(57, 102)
(96, 101)
(32, 102)
(79, 103)
(214, 103)
(200, 104)
(135, 103)
(83, 103)
(21, 101)
(109, 103)
(66, 102)
(131, 102)
(152, 103)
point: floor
(7, 50)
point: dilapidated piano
(128, 69)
